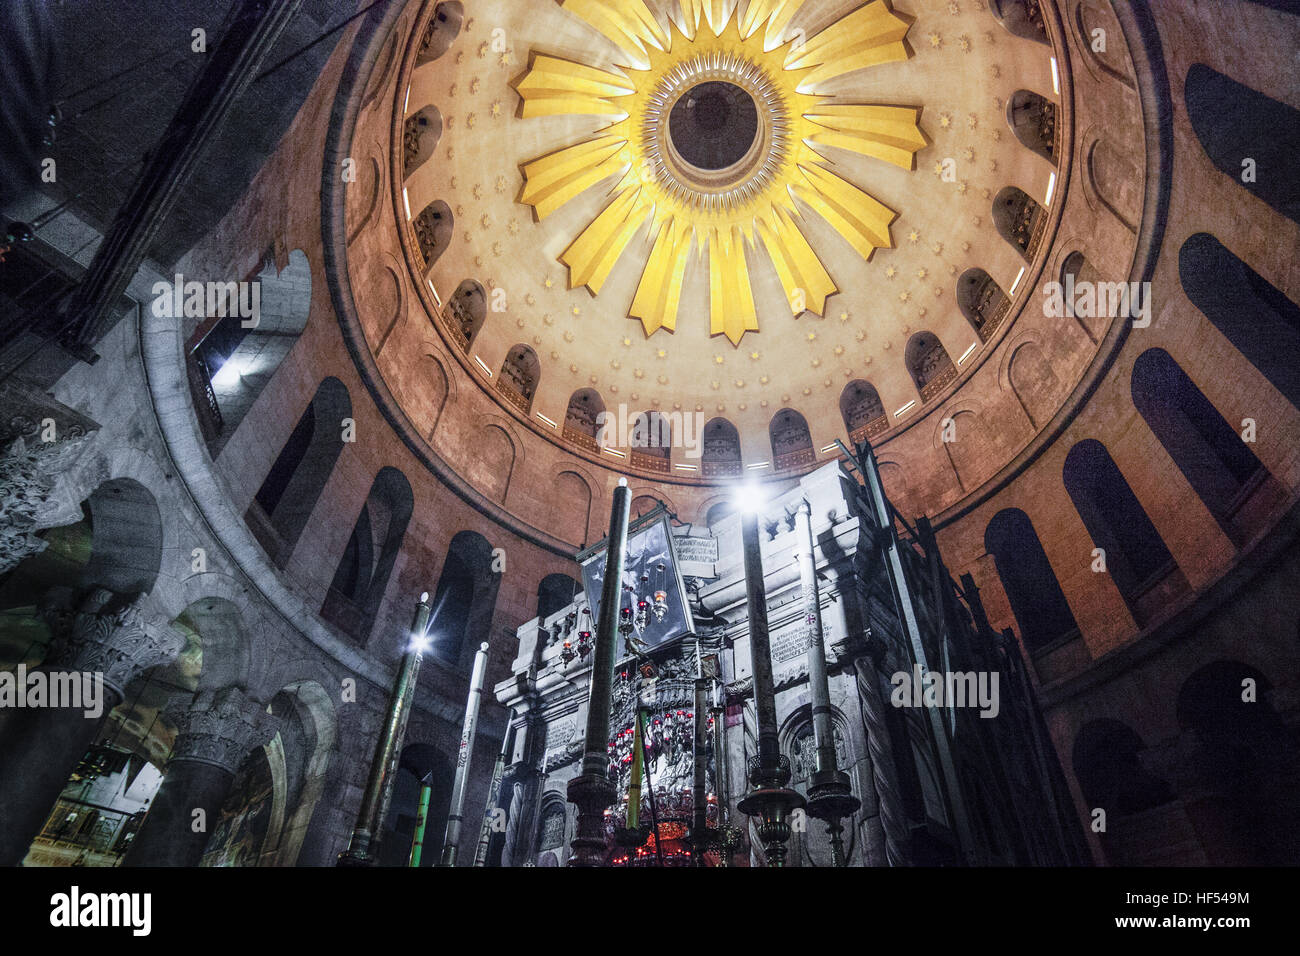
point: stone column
(40, 747)
(216, 730)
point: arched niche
(434, 228)
(1019, 220)
(720, 456)
(929, 364)
(420, 135)
(444, 26)
(1032, 118)
(520, 373)
(863, 413)
(982, 301)
(792, 445)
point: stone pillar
(40, 747)
(216, 730)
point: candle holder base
(592, 794)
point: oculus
(715, 143)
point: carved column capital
(119, 643)
(219, 727)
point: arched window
(792, 445)
(718, 511)
(284, 503)
(1019, 220)
(1246, 764)
(1035, 595)
(864, 414)
(721, 454)
(554, 593)
(466, 310)
(929, 364)
(434, 227)
(582, 421)
(651, 442)
(1219, 466)
(1021, 18)
(1251, 138)
(982, 301)
(1135, 555)
(464, 600)
(1260, 322)
(361, 578)
(444, 27)
(1033, 120)
(520, 373)
(420, 135)
(1107, 763)
(233, 359)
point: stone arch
(792, 445)
(1107, 761)
(521, 371)
(1032, 381)
(1219, 466)
(1090, 16)
(555, 592)
(582, 424)
(231, 360)
(929, 364)
(1115, 180)
(494, 458)
(1233, 123)
(1136, 557)
(389, 306)
(467, 309)
(1019, 220)
(363, 197)
(1244, 800)
(421, 133)
(962, 434)
(434, 228)
(720, 456)
(1030, 583)
(572, 504)
(1032, 118)
(982, 301)
(361, 578)
(1021, 18)
(218, 651)
(862, 410)
(126, 538)
(310, 744)
(464, 600)
(1075, 269)
(1260, 321)
(444, 26)
(418, 761)
(284, 503)
(438, 390)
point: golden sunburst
(751, 202)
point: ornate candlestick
(770, 797)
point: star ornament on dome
(714, 66)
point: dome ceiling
(699, 205)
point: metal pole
(700, 823)
(388, 750)
(769, 798)
(829, 796)
(451, 843)
(592, 791)
(421, 819)
(493, 804)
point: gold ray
(628, 24)
(857, 216)
(660, 291)
(775, 13)
(801, 272)
(592, 255)
(553, 86)
(731, 298)
(557, 177)
(890, 133)
(869, 35)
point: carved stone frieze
(118, 642)
(220, 727)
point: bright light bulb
(748, 496)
